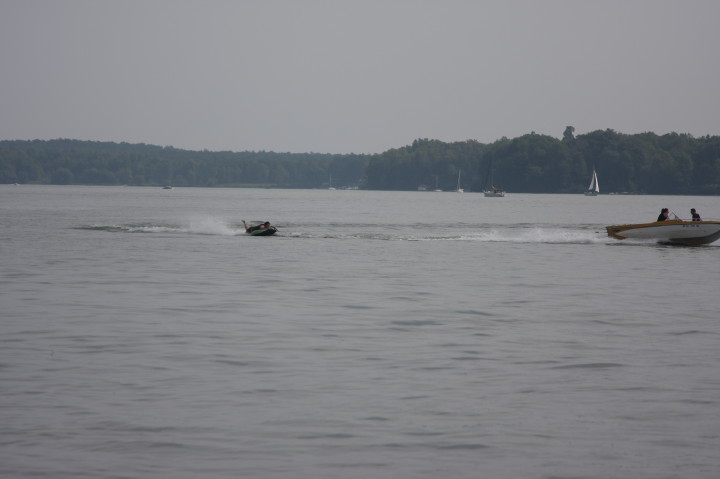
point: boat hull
(672, 231)
(264, 232)
(494, 194)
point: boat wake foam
(486, 235)
(521, 233)
(540, 235)
(201, 226)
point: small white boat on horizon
(689, 233)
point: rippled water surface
(379, 334)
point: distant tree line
(641, 163)
(63, 162)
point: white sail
(594, 187)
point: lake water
(379, 335)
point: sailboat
(490, 190)
(594, 187)
(458, 189)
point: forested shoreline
(643, 163)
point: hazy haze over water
(354, 76)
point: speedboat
(681, 232)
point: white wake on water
(211, 226)
(541, 235)
(488, 235)
(205, 225)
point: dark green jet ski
(263, 229)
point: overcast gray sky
(362, 76)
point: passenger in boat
(262, 226)
(695, 215)
(664, 215)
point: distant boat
(688, 233)
(494, 193)
(594, 187)
(490, 190)
(167, 187)
(458, 189)
(330, 187)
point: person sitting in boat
(664, 215)
(695, 215)
(261, 226)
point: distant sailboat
(594, 187)
(490, 190)
(458, 189)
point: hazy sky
(358, 76)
